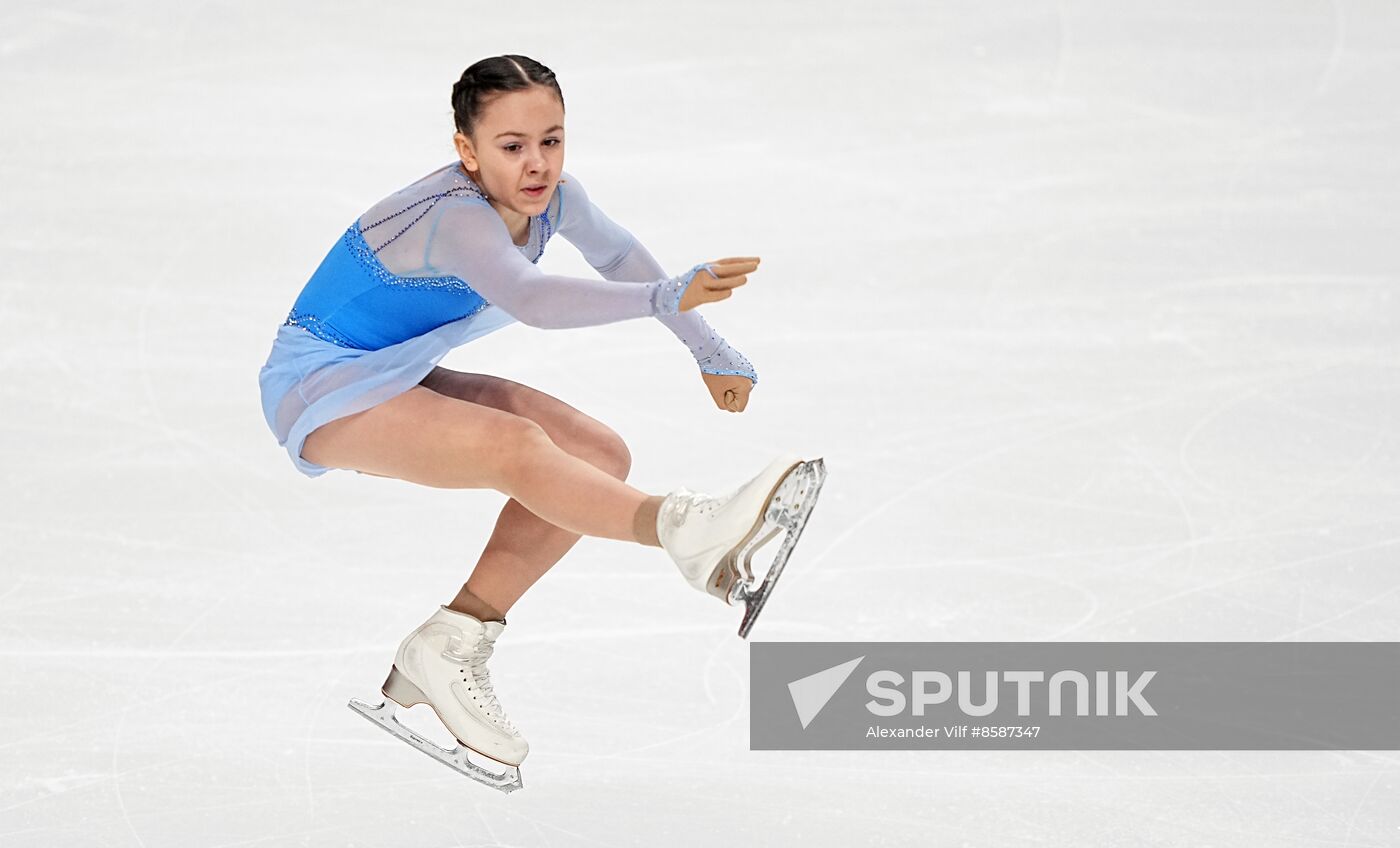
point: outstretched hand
(730, 391)
(708, 287)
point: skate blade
(455, 759)
(727, 580)
(788, 510)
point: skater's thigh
(426, 437)
(569, 428)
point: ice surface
(1090, 307)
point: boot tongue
(472, 625)
(493, 629)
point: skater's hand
(730, 391)
(729, 274)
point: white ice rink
(1090, 307)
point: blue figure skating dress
(432, 267)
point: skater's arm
(471, 241)
(617, 255)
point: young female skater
(352, 382)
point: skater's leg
(517, 556)
(524, 546)
(428, 438)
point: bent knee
(616, 458)
(601, 447)
(516, 444)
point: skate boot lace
(685, 502)
(475, 665)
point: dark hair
(496, 75)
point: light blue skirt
(307, 381)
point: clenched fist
(730, 391)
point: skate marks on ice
(788, 509)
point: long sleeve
(470, 241)
(617, 255)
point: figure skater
(352, 382)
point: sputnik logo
(811, 693)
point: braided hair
(489, 77)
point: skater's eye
(554, 142)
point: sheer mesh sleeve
(617, 255)
(469, 240)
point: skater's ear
(465, 151)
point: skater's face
(517, 144)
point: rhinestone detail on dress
(727, 360)
(360, 249)
(320, 330)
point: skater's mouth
(536, 191)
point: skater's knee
(616, 458)
(601, 447)
(518, 445)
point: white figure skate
(443, 664)
(711, 538)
